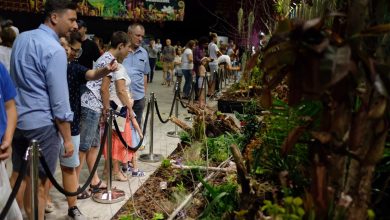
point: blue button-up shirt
(38, 69)
(137, 65)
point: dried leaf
(292, 139)
(266, 98)
(335, 65)
(377, 108)
(323, 137)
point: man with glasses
(38, 69)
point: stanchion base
(173, 134)
(109, 197)
(151, 157)
(188, 118)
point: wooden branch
(181, 124)
(241, 169)
(183, 167)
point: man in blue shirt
(137, 67)
(8, 114)
(38, 69)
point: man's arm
(57, 84)
(12, 116)
(145, 83)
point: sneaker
(74, 213)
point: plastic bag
(5, 191)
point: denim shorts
(89, 129)
(49, 143)
(72, 161)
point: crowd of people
(57, 86)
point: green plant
(158, 216)
(222, 199)
(166, 163)
(219, 147)
(180, 187)
(290, 210)
(185, 137)
(129, 217)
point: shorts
(213, 68)
(89, 129)
(49, 143)
(72, 161)
(200, 82)
(168, 66)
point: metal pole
(151, 157)
(109, 151)
(109, 195)
(34, 162)
(175, 133)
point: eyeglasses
(77, 52)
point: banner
(137, 10)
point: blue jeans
(138, 108)
(188, 80)
(152, 64)
(89, 129)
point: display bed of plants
(168, 186)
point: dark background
(199, 20)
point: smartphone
(113, 61)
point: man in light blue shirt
(137, 67)
(38, 69)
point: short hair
(8, 36)
(133, 26)
(118, 38)
(74, 37)
(58, 6)
(212, 36)
(81, 23)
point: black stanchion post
(151, 157)
(175, 133)
(34, 162)
(110, 195)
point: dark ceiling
(200, 19)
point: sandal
(137, 173)
(96, 188)
(119, 177)
(83, 195)
(49, 207)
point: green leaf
(298, 201)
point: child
(202, 81)
(177, 63)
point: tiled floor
(163, 145)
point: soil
(150, 198)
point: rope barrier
(80, 190)
(170, 113)
(15, 190)
(127, 146)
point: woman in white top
(122, 102)
(187, 64)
